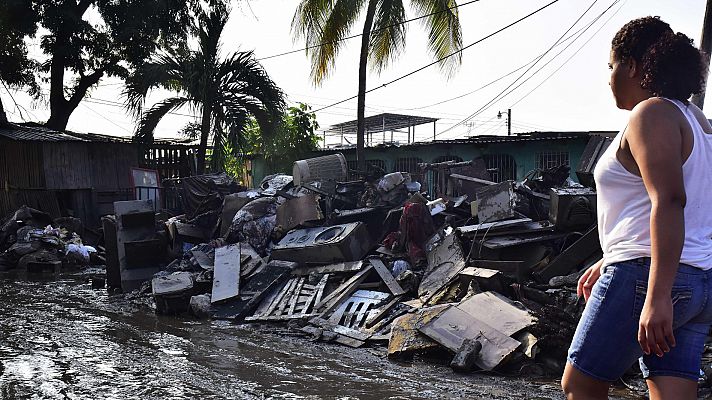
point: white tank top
(624, 206)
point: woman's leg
(579, 386)
(671, 387)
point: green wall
(523, 151)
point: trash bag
(254, 223)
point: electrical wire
(494, 81)
(106, 119)
(570, 57)
(497, 97)
(443, 58)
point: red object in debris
(416, 226)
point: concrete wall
(524, 153)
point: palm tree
(325, 24)
(226, 92)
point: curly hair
(671, 65)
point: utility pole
(509, 119)
(706, 47)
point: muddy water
(60, 339)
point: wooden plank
(295, 297)
(342, 330)
(350, 266)
(381, 312)
(343, 291)
(284, 303)
(279, 298)
(266, 303)
(316, 295)
(386, 276)
(482, 228)
(226, 273)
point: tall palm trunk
(361, 106)
(204, 134)
(3, 117)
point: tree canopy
(85, 40)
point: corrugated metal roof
(533, 136)
(35, 132)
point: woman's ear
(632, 65)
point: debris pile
(483, 275)
(32, 242)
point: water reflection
(60, 339)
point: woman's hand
(655, 327)
(588, 279)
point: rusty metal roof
(490, 139)
(36, 132)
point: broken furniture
(140, 250)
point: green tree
(87, 40)
(325, 24)
(295, 138)
(226, 92)
(18, 20)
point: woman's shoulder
(655, 105)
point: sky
(566, 90)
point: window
(501, 167)
(551, 159)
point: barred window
(502, 167)
(370, 166)
(410, 165)
(551, 159)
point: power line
(375, 30)
(570, 57)
(494, 81)
(121, 105)
(497, 97)
(103, 117)
(443, 58)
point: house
(76, 174)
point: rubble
(483, 275)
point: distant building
(506, 157)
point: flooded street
(61, 339)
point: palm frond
(444, 30)
(336, 27)
(324, 24)
(388, 34)
(166, 71)
(243, 82)
(151, 118)
(309, 19)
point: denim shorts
(605, 344)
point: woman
(650, 297)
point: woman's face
(625, 82)
(619, 81)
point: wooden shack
(68, 173)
